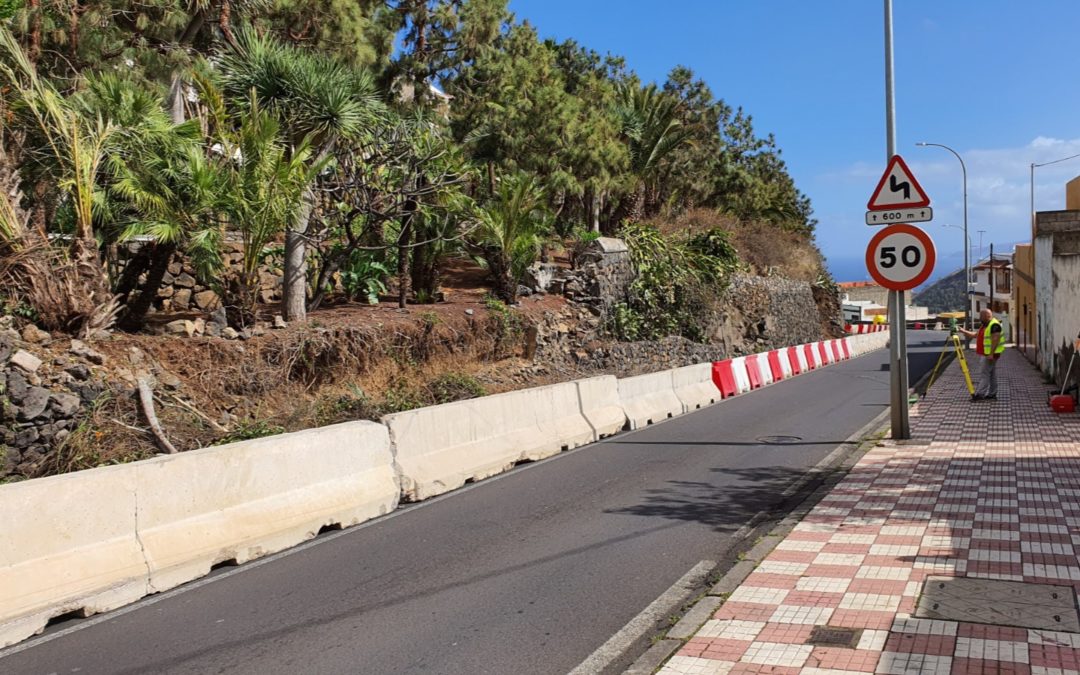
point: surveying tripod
(953, 343)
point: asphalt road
(526, 573)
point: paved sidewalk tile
(987, 489)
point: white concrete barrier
(68, 544)
(742, 380)
(601, 406)
(244, 500)
(694, 386)
(440, 448)
(648, 399)
(94, 540)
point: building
(999, 271)
(1057, 288)
(861, 301)
(869, 291)
(1023, 310)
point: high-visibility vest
(986, 339)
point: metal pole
(991, 277)
(898, 372)
(967, 239)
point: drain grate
(780, 440)
(1002, 603)
(830, 636)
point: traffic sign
(900, 216)
(900, 257)
(897, 189)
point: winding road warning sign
(900, 257)
(897, 189)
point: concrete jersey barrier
(440, 448)
(600, 405)
(68, 544)
(648, 399)
(244, 500)
(101, 538)
(693, 386)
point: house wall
(1024, 312)
(1057, 288)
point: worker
(989, 344)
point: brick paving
(986, 489)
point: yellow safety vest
(987, 341)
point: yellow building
(1024, 319)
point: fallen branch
(198, 413)
(146, 398)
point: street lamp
(967, 245)
(1033, 165)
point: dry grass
(299, 378)
(765, 247)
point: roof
(858, 284)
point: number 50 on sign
(900, 257)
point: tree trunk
(425, 273)
(636, 213)
(294, 285)
(137, 309)
(175, 102)
(129, 278)
(404, 239)
(504, 286)
(594, 208)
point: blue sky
(994, 79)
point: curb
(827, 474)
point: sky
(996, 80)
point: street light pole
(967, 240)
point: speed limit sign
(900, 257)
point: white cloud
(999, 193)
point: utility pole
(991, 277)
(898, 371)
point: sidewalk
(985, 490)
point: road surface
(526, 573)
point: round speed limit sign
(900, 257)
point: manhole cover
(780, 440)
(1002, 603)
(828, 636)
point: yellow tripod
(958, 348)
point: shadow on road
(736, 496)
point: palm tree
(75, 295)
(318, 102)
(158, 185)
(509, 235)
(651, 130)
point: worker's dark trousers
(987, 378)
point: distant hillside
(944, 295)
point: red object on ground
(723, 376)
(753, 372)
(793, 359)
(1062, 403)
(847, 328)
(808, 351)
(847, 350)
(822, 347)
(918, 326)
(836, 350)
(775, 367)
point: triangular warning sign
(897, 189)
